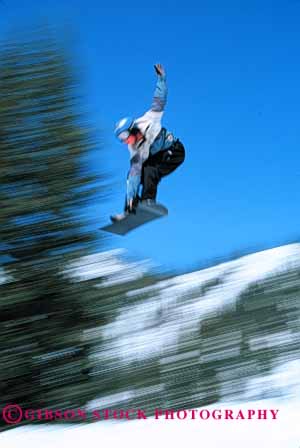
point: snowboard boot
(119, 217)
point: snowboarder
(154, 152)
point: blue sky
(233, 72)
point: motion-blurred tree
(45, 183)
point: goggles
(124, 135)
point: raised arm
(161, 90)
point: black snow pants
(160, 165)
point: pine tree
(45, 184)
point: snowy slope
(109, 264)
(163, 317)
(281, 433)
(144, 329)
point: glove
(159, 70)
(133, 183)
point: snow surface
(284, 432)
(132, 334)
(110, 265)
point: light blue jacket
(155, 137)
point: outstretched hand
(159, 69)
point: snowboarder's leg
(158, 166)
(150, 180)
(172, 159)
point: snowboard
(143, 213)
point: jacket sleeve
(134, 176)
(160, 94)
